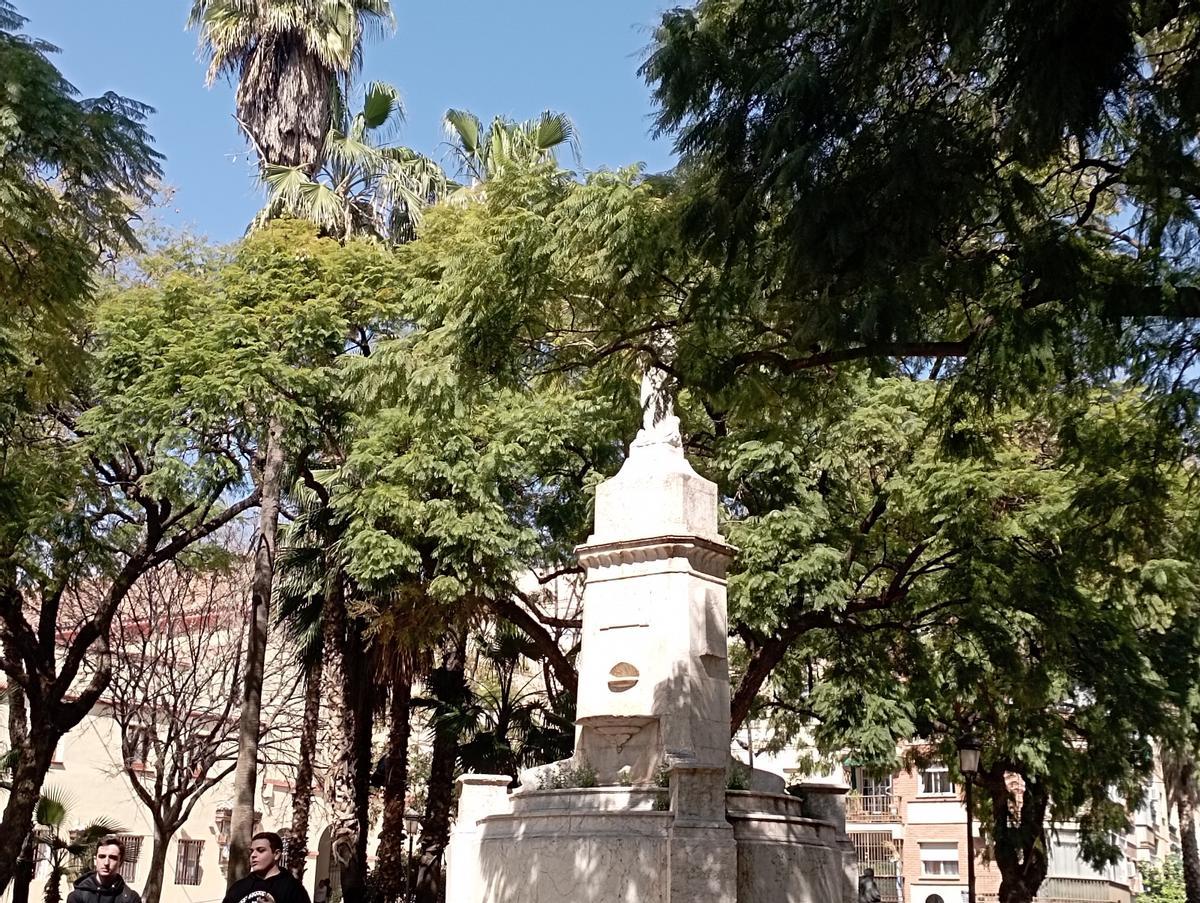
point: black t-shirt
(253, 889)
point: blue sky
(517, 58)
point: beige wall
(89, 770)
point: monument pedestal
(653, 702)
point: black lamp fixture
(969, 748)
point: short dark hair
(112, 840)
(270, 837)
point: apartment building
(910, 827)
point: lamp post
(968, 764)
(412, 826)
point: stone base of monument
(693, 842)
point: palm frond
(53, 806)
(92, 833)
(551, 130)
(464, 127)
(382, 105)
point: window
(223, 818)
(935, 781)
(187, 862)
(876, 850)
(939, 860)
(870, 785)
(133, 849)
(80, 859)
(285, 834)
(139, 741)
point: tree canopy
(1006, 188)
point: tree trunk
(1019, 830)
(451, 690)
(284, 100)
(1185, 806)
(23, 874)
(158, 863)
(246, 774)
(303, 791)
(390, 876)
(17, 821)
(34, 753)
(352, 813)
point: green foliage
(1162, 882)
(569, 776)
(1019, 591)
(73, 173)
(54, 812)
(517, 724)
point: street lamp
(968, 764)
(412, 827)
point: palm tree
(364, 186)
(287, 57)
(1183, 792)
(303, 586)
(53, 811)
(483, 152)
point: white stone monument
(659, 825)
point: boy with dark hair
(104, 883)
(267, 882)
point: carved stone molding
(702, 555)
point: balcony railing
(872, 808)
(1070, 890)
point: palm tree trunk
(352, 815)
(1185, 806)
(53, 890)
(302, 794)
(339, 785)
(246, 773)
(435, 828)
(390, 878)
(284, 99)
(158, 864)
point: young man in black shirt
(266, 881)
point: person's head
(110, 853)
(266, 847)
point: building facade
(88, 772)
